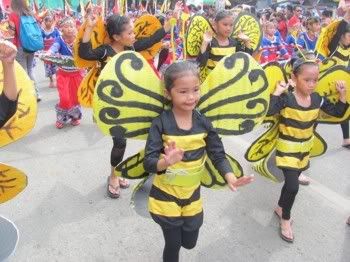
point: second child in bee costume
(298, 113)
(213, 49)
(121, 33)
(179, 141)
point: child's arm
(276, 100)
(154, 147)
(203, 56)
(8, 98)
(339, 109)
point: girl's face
(345, 39)
(315, 28)
(127, 37)
(306, 79)
(69, 29)
(48, 22)
(185, 94)
(224, 27)
(270, 29)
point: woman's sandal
(123, 183)
(115, 188)
(285, 238)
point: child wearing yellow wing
(178, 143)
(214, 48)
(298, 113)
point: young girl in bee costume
(298, 113)
(178, 143)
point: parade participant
(121, 33)
(273, 48)
(214, 48)
(50, 34)
(174, 201)
(9, 95)
(298, 111)
(294, 28)
(307, 40)
(68, 78)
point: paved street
(65, 215)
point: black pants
(289, 191)
(118, 150)
(345, 129)
(175, 238)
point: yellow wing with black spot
(145, 26)
(12, 182)
(87, 87)
(24, 119)
(99, 36)
(250, 26)
(325, 38)
(326, 87)
(235, 95)
(194, 37)
(128, 96)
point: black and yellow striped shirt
(296, 127)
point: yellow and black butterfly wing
(12, 182)
(145, 26)
(250, 26)
(194, 37)
(235, 95)
(128, 96)
(319, 145)
(213, 179)
(24, 119)
(87, 87)
(132, 167)
(267, 168)
(325, 38)
(326, 87)
(326, 65)
(98, 37)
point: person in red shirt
(282, 25)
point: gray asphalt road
(65, 215)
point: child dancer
(178, 143)
(213, 49)
(121, 33)
(49, 33)
(299, 111)
(68, 78)
(273, 47)
(307, 40)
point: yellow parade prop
(12, 182)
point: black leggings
(175, 238)
(118, 150)
(345, 129)
(289, 191)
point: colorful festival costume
(68, 80)
(49, 39)
(273, 50)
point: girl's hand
(341, 88)
(172, 154)
(281, 87)
(208, 36)
(234, 182)
(8, 52)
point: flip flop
(116, 188)
(285, 238)
(123, 183)
(346, 146)
(274, 211)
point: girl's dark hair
(178, 69)
(306, 58)
(115, 24)
(347, 29)
(312, 20)
(222, 14)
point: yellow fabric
(296, 132)
(171, 209)
(186, 143)
(223, 51)
(294, 147)
(300, 115)
(176, 191)
(292, 162)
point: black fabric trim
(193, 155)
(299, 155)
(293, 139)
(296, 124)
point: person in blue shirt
(307, 40)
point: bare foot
(304, 180)
(124, 183)
(286, 231)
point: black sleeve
(86, 52)
(215, 150)
(276, 104)
(202, 59)
(7, 109)
(337, 110)
(147, 42)
(154, 146)
(336, 38)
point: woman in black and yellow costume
(298, 111)
(121, 33)
(214, 48)
(178, 143)
(339, 48)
